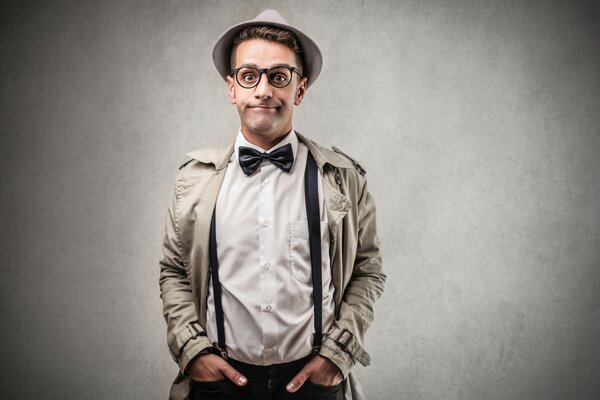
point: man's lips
(263, 107)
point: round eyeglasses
(279, 76)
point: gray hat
(311, 55)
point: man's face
(265, 111)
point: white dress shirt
(264, 261)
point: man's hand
(320, 371)
(211, 368)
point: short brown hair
(271, 34)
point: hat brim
(311, 54)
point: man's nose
(263, 89)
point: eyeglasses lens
(248, 77)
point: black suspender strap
(216, 283)
(311, 197)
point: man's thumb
(233, 375)
(298, 381)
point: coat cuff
(187, 343)
(341, 347)
(196, 346)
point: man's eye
(249, 77)
(279, 78)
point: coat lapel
(207, 193)
(337, 205)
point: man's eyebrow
(283, 65)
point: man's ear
(300, 91)
(230, 89)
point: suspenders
(214, 272)
(311, 197)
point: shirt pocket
(299, 247)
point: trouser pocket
(321, 392)
(221, 390)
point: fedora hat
(311, 55)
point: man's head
(311, 59)
(263, 42)
(265, 85)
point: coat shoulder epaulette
(358, 167)
(186, 163)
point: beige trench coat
(357, 273)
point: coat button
(338, 178)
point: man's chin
(264, 130)
(269, 133)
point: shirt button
(266, 222)
(267, 181)
(268, 309)
(267, 266)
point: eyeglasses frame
(262, 71)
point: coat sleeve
(185, 337)
(343, 343)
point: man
(271, 259)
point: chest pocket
(299, 255)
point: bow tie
(250, 159)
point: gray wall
(478, 124)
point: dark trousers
(265, 383)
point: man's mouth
(264, 107)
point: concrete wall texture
(477, 121)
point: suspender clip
(315, 350)
(222, 352)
